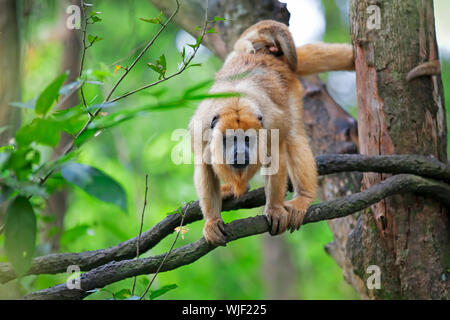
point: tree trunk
(406, 236)
(10, 69)
(71, 60)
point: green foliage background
(143, 146)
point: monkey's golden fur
(261, 68)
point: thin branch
(418, 165)
(138, 244)
(327, 164)
(181, 70)
(116, 271)
(163, 260)
(83, 54)
(70, 147)
(127, 70)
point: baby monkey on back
(263, 69)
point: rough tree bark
(10, 69)
(330, 128)
(407, 236)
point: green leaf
(220, 95)
(46, 99)
(42, 131)
(70, 87)
(212, 30)
(25, 188)
(22, 161)
(194, 65)
(151, 20)
(96, 183)
(93, 39)
(86, 135)
(162, 62)
(219, 19)
(157, 20)
(197, 87)
(157, 293)
(25, 105)
(155, 68)
(95, 18)
(20, 235)
(70, 120)
(122, 294)
(71, 235)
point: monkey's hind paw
(297, 210)
(278, 219)
(214, 232)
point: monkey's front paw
(297, 209)
(278, 219)
(214, 232)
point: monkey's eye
(260, 117)
(214, 121)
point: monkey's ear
(214, 121)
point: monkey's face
(235, 144)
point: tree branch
(116, 271)
(418, 165)
(327, 164)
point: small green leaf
(20, 235)
(95, 18)
(162, 62)
(219, 19)
(212, 30)
(50, 94)
(70, 87)
(151, 20)
(163, 290)
(194, 65)
(197, 87)
(122, 294)
(93, 39)
(96, 183)
(154, 67)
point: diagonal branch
(327, 164)
(116, 271)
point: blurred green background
(143, 146)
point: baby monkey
(260, 128)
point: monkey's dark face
(234, 144)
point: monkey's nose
(238, 165)
(241, 154)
